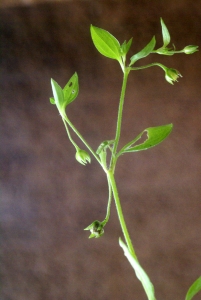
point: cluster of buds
(96, 229)
(82, 156)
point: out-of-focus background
(48, 198)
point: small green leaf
(140, 273)
(105, 43)
(194, 289)
(52, 100)
(165, 34)
(58, 97)
(144, 52)
(125, 47)
(71, 89)
(104, 145)
(155, 135)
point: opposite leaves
(63, 97)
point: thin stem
(82, 139)
(120, 214)
(120, 112)
(69, 135)
(148, 66)
(109, 202)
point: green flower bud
(82, 157)
(171, 75)
(190, 49)
(96, 229)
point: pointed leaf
(58, 97)
(105, 43)
(140, 273)
(144, 52)
(165, 33)
(125, 47)
(155, 135)
(194, 289)
(71, 89)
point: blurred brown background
(48, 198)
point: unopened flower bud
(190, 49)
(172, 75)
(82, 157)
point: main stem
(120, 111)
(120, 214)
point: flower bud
(172, 75)
(96, 229)
(82, 157)
(190, 49)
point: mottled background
(48, 198)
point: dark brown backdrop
(48, 198)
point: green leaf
(144, 52)
(140, 273)
(155, 135)
(58, 97)
(106, 43)
(194, 289)
(125, 47)
(165, 34)
(71, 89)
(103, 146)
(52, 100)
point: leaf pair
(108, 45)
(155, 135)
(63, 97)
(149, 48)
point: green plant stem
(120, 214)
(69, 135)
(82, 139)
(109, 202)
(148, 66)
(120, 111)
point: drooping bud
(82, 157)
(190, 49)
(171, 75)
(96, 229)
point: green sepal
(92, 235)
(58, 97)
(125, 47)
(71, 89)
(106, 43)
(144, 52)
(194, 289)
(155, 135)
(140, 273)
(165, 34)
